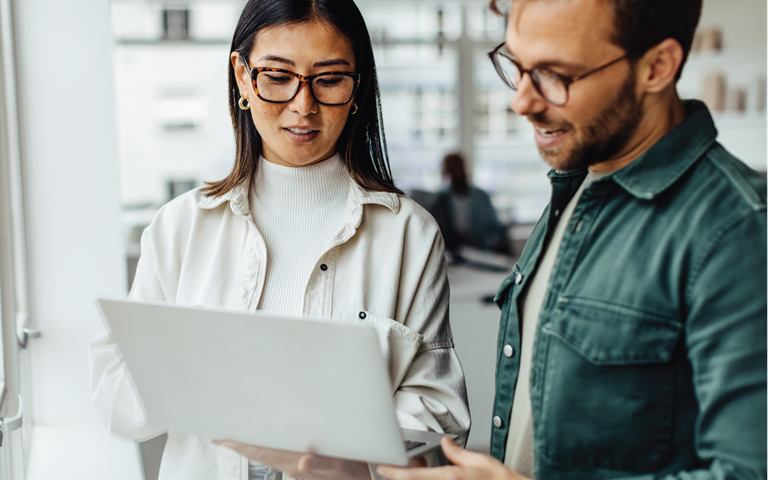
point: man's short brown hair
(639, 25)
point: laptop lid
(280, 382)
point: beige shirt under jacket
(519, 453)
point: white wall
(159, 86)
(75, 251)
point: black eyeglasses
(276, 85)
(552, 86)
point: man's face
(570, 38)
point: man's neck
(660, 117)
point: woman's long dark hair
(362, 144)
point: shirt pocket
(398, 343)
(606, 397)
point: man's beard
(605, 136)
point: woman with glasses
(308, 222)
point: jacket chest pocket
(399, 344)
(606, 399)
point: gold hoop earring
(355, 110)
(247, 105)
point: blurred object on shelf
(736, 100)
(176, 24)
(708, 40)
(713, 93)
(760, 95)
(177, 187)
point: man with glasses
(632, 340)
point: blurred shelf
(726, 57)
(740, 119)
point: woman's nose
(304, 102)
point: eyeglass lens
(327, 89)
(547, 83)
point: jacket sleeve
(111, 390)
(726, 344)
(432, 394)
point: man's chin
(560, 159)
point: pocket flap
(399, 344)
(610, 334)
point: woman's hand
(307, 466)
(466, 466)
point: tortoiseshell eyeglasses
(276, 85)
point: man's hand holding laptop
(466, 465)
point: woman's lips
(301, 135)
(549, 137)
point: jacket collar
(668, 159)
(237, 198)
(659, 167)
(239, 201)
(358, 196)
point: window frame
(14, 293)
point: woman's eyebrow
(275, 58)
(325, 63)
(328, 63)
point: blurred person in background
(632, 341)
(470, 218)
(309, 222)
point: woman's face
(302, 131)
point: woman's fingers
(274, 458)
(310, 462)
(460, 456)
(333, 468)
(309, 465)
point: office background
(112, 108)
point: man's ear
(659, 66)
(241, 73)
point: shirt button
(508, 350)
(323, 267)
(497, 421)
(362, 315)
(557, 213)
(518, 278)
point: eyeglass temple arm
(247, 66)
(595, 70)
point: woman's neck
(311, 181)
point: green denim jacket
(650, 353)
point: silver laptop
(280, 382)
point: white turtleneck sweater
(297, 210)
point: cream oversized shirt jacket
(385, 260)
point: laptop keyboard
(410, 444)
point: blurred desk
(475, 327)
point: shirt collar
(668, 159)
